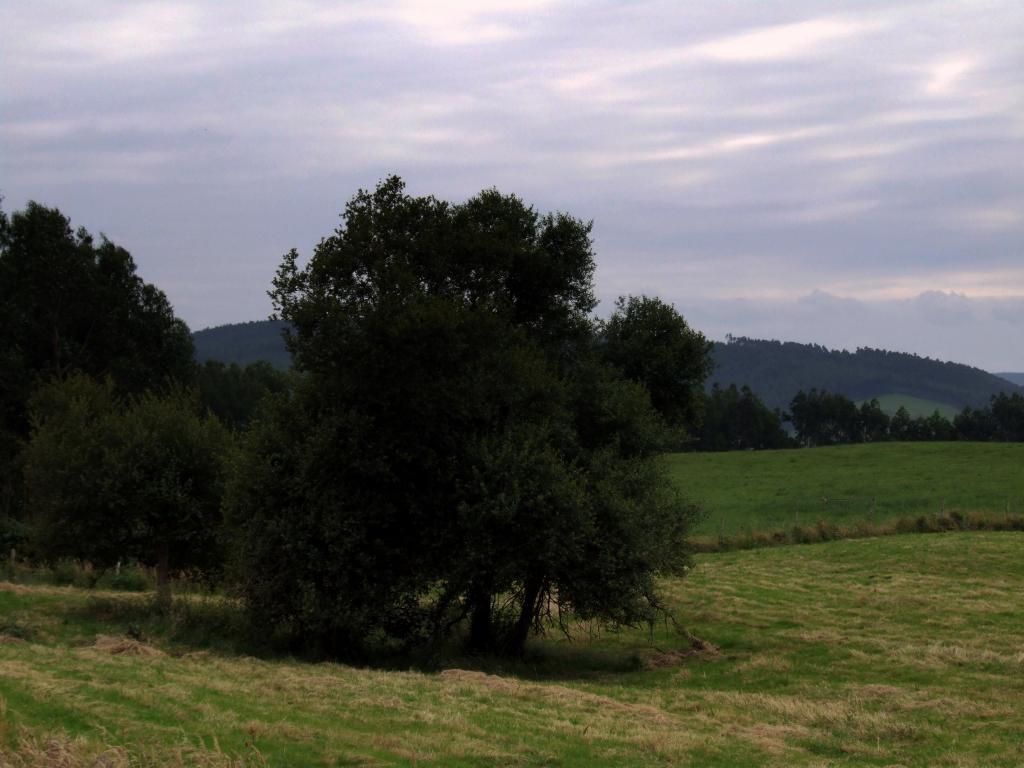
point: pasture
(916, 406)
(900, 650)
(876, 482)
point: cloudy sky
(845, 173)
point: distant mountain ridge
(244, 343)
(777, 370)
(1016, 378)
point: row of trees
(827, 418)
(462, 443)
(736, 419)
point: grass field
(903, 650)
(916, 406)
(770, 490)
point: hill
(774, 370)
(243, 343)
(1016, 378)
(777, 370)
(899, 650)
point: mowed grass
(775, 490)
(904, 650)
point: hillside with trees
(777, 370)
(244, 343)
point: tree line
(737, 419)
(461, 447)
(828, 418)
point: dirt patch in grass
(656, 658)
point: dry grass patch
(126, 646)
(63, 751)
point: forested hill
(243, 343)
(774, 370)
(1016, 378)
(777, 370)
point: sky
(850, 174)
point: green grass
(901, 650)
(916, 406)
(775, 490)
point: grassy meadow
(916, 406)
(903, 650)
(877, 482)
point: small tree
(652, 344)
(108, 480)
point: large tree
(458, 447)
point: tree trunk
(163, 577)
(527, 612)
(481, 627)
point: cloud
(742, 152)
(783, 41)
(945, 75)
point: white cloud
(784, 41)
(944, 76)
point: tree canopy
(652, 344)
(457, 447)
(67, 304)
(108, 479)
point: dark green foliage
(874, 422)
(1002, 420)
(736, 419)
(976, 424)
(825, 418)
(651, 343)
(107, 480)
(777, 370)
(1008, 413)
(232, 393)
(69, 304)
(244, 343)
(456, 447)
